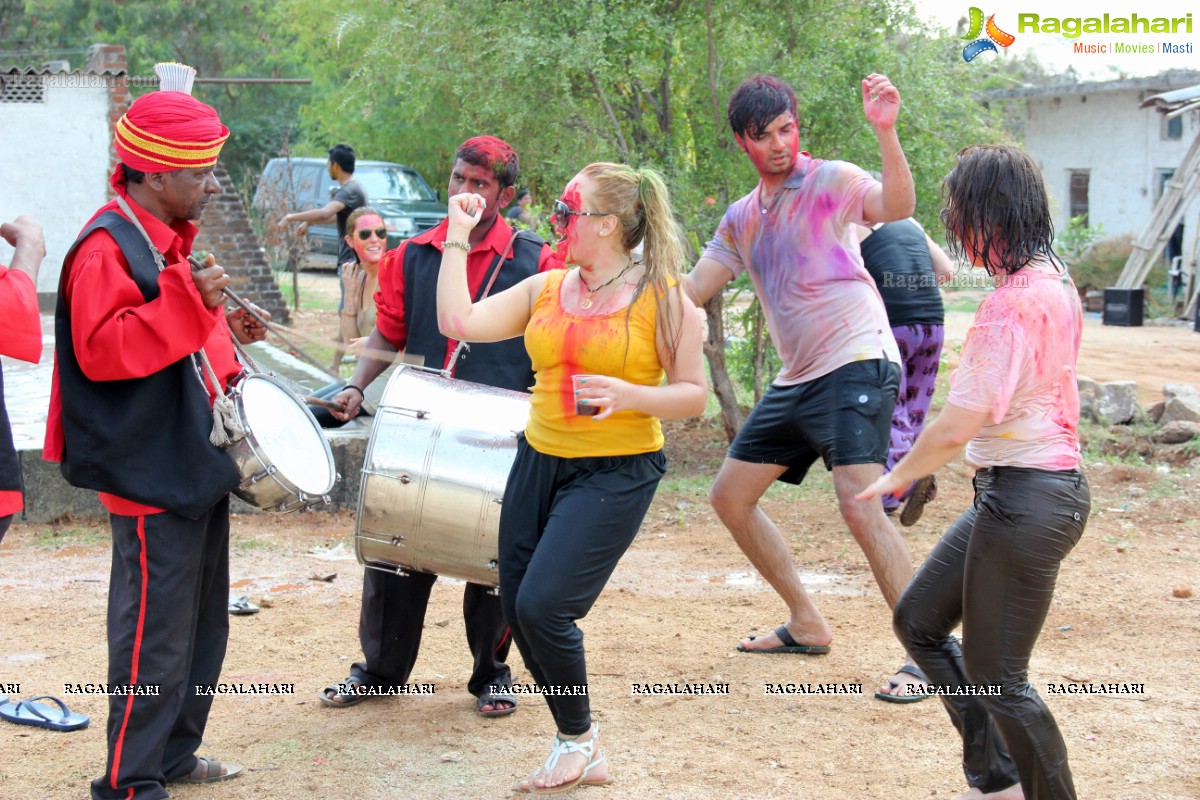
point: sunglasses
(563, 213)
(365, 233)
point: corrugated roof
(45, 71)
(1175, 102)
(1170, 80)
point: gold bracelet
(464, 246)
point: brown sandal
(209, 770)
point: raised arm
(894, 198)
(20, 323)
(496, 317)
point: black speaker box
(1123, 307)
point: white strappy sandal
(590, 749)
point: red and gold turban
(165, 130)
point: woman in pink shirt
(1014, 404)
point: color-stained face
(371, 249)
(186, 192)
(478, 180)
(773, 149)
(569, 227)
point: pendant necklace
(588, 300)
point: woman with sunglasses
(1014, 403)
(367, 238)
(615, 346)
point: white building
(1104, 157)
(56, 151)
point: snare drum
(434, 476)
(284, 459)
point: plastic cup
(577, 382)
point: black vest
(897, 256)
(10, 467)
(143, 439)
(504, 364)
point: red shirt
(389, 299)
(118, 335)
(21, 338)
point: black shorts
(844, 417)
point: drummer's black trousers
(994, 570)
(393, 617)
(564, 525)
(168, 625)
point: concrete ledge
(48, 496)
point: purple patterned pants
(920, 353)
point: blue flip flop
(39, 715)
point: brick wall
(225, 231)
(110, 59)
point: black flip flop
(790, 645)
(907, 669)
(347, 689)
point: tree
(566, 82)
(573, 81)
(220, 38)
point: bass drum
(434, 475)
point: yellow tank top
(562, 345)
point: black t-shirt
(897, 256)
(353, 196)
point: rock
(1111, 403)
(1155, 411)
(1177, 432)
(1171, 390)
(1118, 402)
(1089, 397)
(1182, 591)
(1180, 407)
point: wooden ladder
(1147, 248)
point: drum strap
(494, 272)
(226, 428)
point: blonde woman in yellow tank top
(591, 457)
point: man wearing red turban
(130, 416)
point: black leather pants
(995, 570)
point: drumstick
(316, 401)
(198, 264)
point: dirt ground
(672, 613)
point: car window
(309, 184)
(384, 183)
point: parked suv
(398, 192)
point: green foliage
(1102, 264)
(1077, 238)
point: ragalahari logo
(994, 37)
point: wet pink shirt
(1018, 366)
(822, 307)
